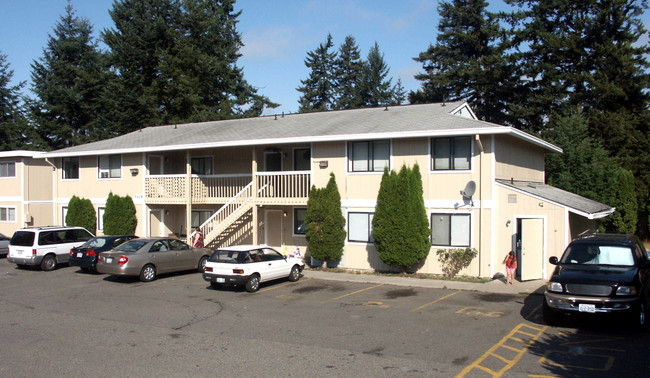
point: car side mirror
(553, 260)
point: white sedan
(250, 265)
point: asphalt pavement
(493, 286)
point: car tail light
(123, 260)
(34, 251)
(208, 269)
(90, 252)
(238, 271)
(71, 252)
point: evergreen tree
(468, 61)
(400, 225)
(119, 216)
(399, 93)
(348, 71)
(584, 167)
(623, 197)
(325, 222)
(69, 82)
(81, 213)
(375, 88)
(177, 62)
(318, 89)
(13, 124)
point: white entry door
(156, 223)
(532, 249)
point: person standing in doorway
(511, 266)
(197, 239)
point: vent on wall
(512, 198)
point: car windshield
(22, 239)
(226, 256)
(592, 254)
(131, 246)
(95, 243)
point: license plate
(80, 255)
(221, 280)
(587, 308)
(109, 260)
(19, 252)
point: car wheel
(148, 273)
(294, 275)
(48, 263)
(639, 317)
(253, 283)
(551, 317)
(202, 262)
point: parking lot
(70, 323)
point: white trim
(493, 230)
(11, 199)
(450, 171)
(15, 214)
(472, 229)
(545, 233)
(348, 162)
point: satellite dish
(469, 190)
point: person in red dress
(511, 266)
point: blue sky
(277, 36)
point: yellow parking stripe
(433, 302)
(356, 292)
(533, 332)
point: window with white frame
(368, 156)
(299, 226)
(64, 213)
(449, 154)
(110, 166)
(70, 168)
(100, 218)
(8, 169)
(199, 217)
(7, 214)
(452, 230)
(302, 159)
(201, 165)
(360, 227)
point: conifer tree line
(166, 62)
(341, 79)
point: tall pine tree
(69, 82)
(318, 89)
(13, 123)
(348, 71)
(468, 61)
(375, 88)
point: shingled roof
(576, 204)
(368, 123)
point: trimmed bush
(325, 222)
(119, 216)
(400, 226)
(81, 213)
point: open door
(532, 249)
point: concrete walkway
(494, 286)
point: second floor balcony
(272, 188)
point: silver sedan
(149, 257)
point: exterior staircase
(229, 217)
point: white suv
(45, 246)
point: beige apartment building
(248, 181)
(25, 191)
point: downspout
(480, 209)
(254, 195)
(55, 193)
(188, 196)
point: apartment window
(8, 169)
(7, 214)
(302, 159)
(451, 230)
(450, 154)
(110, 166)
(299, 226)
(70, 168)
(199, 217)
(201, 166)
(100, 218)
(360, 227)
(64, 213)
(368, 156)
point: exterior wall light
(134, 171)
